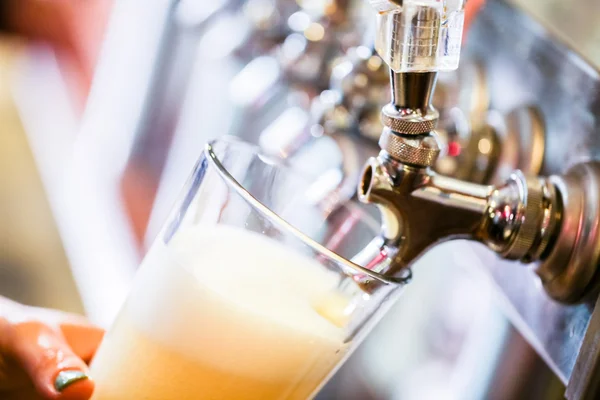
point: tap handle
(419, 35)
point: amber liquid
(187, 335)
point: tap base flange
(520, 135)
(569, 271)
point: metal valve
(554, 221)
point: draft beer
(233, 302)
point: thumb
(54, 369)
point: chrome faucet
(477, 145)
(303, 38)
(554, 221)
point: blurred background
(105, 107)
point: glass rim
(273, 216)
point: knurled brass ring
(408, 124)
(531, 220)
(548, 193)
(421, 151)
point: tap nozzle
(409, 120)
(551, 221)
(421, 208)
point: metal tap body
(526, 219)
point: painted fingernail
(67, 378)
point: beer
(223, 313)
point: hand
(44, 353)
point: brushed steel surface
(527, 64)
(575, 22)
(585, 384)
(570, 267)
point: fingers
(79, 333)
(83, 339)
(47, 347)
(55, 370)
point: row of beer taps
(439, 164)
(348, 83)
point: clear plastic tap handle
(419, 35)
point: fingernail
(67, 378)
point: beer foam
(238, 301)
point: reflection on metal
(476, 145)
(526, 65)
(346, 113)
(410, 111)
(483, 145)
(568, 272)
(520, 135)
(524, 219)
(553, 221)
(584, 383)
(522, 374)
(521, 64)
(359, 87)
(574, 22)
(303, 40)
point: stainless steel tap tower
(552, 220)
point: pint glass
(247, 292)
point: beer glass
(247, 292)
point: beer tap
(477, 145)
(552, 221)
(296, 68)
(301, 37)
